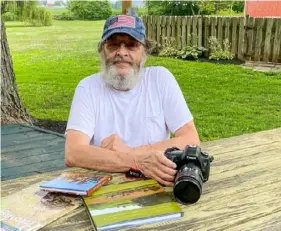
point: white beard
(121, 82)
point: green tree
(90, 10)
(168, 7)
(25, 11)
(238, 6)
(207, 7)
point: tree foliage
(90, 10)
(238, 6)
(25, 11)
(168, 7)
(180, 8)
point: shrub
(188, 52)
(37, 17)
(26, 11)
(191, 52)
(90, 10)
(238, 6)
(65, 16)
(169, 52)
(9, 16)
(169, 48)
(217, 52)
(170, 7)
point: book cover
(130, 204)
(31, 209)
(76, 183)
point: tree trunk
(12, 110)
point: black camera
(193, 167)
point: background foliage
(25, 11)
(180, 8)
(90, 10)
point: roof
(28, 150)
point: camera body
(193, 167)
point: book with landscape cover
(76, 183)
(31, 209)
(130, 204)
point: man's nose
(122, 51)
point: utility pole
(126, 4)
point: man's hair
(149, 46)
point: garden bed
(55, 126)
(231, 61)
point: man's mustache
(119, 59)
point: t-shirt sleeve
(82, 116)
(176, 111)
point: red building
(263, 8)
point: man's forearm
(98, 158)
(179, 142)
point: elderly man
(122, 117)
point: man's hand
(115, 143)
(150, 161)
(156, 165)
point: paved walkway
(262, 66)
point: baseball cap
(131, 25)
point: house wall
(261, 8)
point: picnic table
(243, 192)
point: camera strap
(135, 174)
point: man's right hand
(154, 164)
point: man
(121, 118)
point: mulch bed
(55, 126)
(225, 62)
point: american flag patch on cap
(123, 20)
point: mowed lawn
(226, 100)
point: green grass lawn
(226, 100)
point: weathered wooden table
(243, 192)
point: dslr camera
(193, 167)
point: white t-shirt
(144, 115)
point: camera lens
(188, 184)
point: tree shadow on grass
(18, 25)
(55, 126)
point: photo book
(31, 209)
(76, 183)
(130, 204)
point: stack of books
(130, 204)
(110, 207)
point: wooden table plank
(243, 192)
(27, 161)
